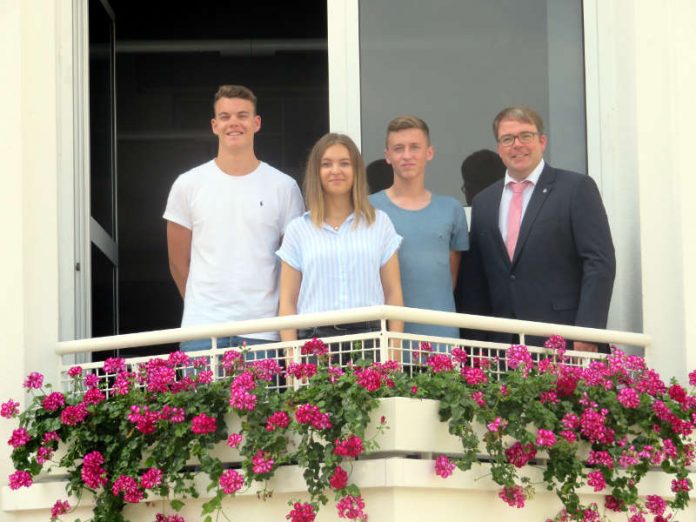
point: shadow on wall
(479, 170)
(380, 175)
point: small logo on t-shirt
(260, 203)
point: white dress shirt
(507, 197)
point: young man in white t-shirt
(225, 220)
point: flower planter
(413, 426)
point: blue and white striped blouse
(340, 268)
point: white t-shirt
(237, 223)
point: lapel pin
(545, 190)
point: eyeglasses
(507, 140)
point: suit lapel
(493, 218)
(541, 192)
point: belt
(347, 327)
(338, 329)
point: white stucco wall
(663, 41)
(11, 261)
(28, 208)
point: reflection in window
(456, 63)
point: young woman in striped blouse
(342, 253)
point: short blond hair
(313, 192)
(404, 123)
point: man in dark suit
(540, 237)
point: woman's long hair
(313, 192)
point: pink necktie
(514, 215)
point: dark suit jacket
(564, 265)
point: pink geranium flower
(301, 513)
(595, 479)
(61, 507)
(655, 504)
(351, 447)
(93, 473)
(19, 438)
(546, 438)
(230, 481)
(73, 415)
(9, 409)
(339, 478)
(261, 464)
(279, 419)
(151, 478)
(629, 398)
(312, 415)
(439, 362)
(19, 479)
(234, 440)
(33, 381)
(202, 424)
(513, 495)
(129, 487)
(114, 365)
(444, 467)
(519, 455)
(351, 507)
(314, 347)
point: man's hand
(582, 346)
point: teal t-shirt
(429, 235)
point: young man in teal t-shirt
(433, 226)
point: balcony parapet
(397, 480)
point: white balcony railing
(380, 345)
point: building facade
(639, 69)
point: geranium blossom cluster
(352, 446)
(146, 420)
(513, 495)
(132, 489)
(302, 370)
(262, 463)
(315, 347)
(232, 359)
(339, 478)
(231, 481)
(168, 518)
(518, 356)
(266, 369)
(9, 409)
(312, 415)
(128, 487)
(202, 424)
(439, 362)
(278, 419)
(19, 479)
(61, 507)
(444, 467)
(93, 472)
(377, 375)
(240, 396)
(301, 512)
(351, 508)
(520, 454)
